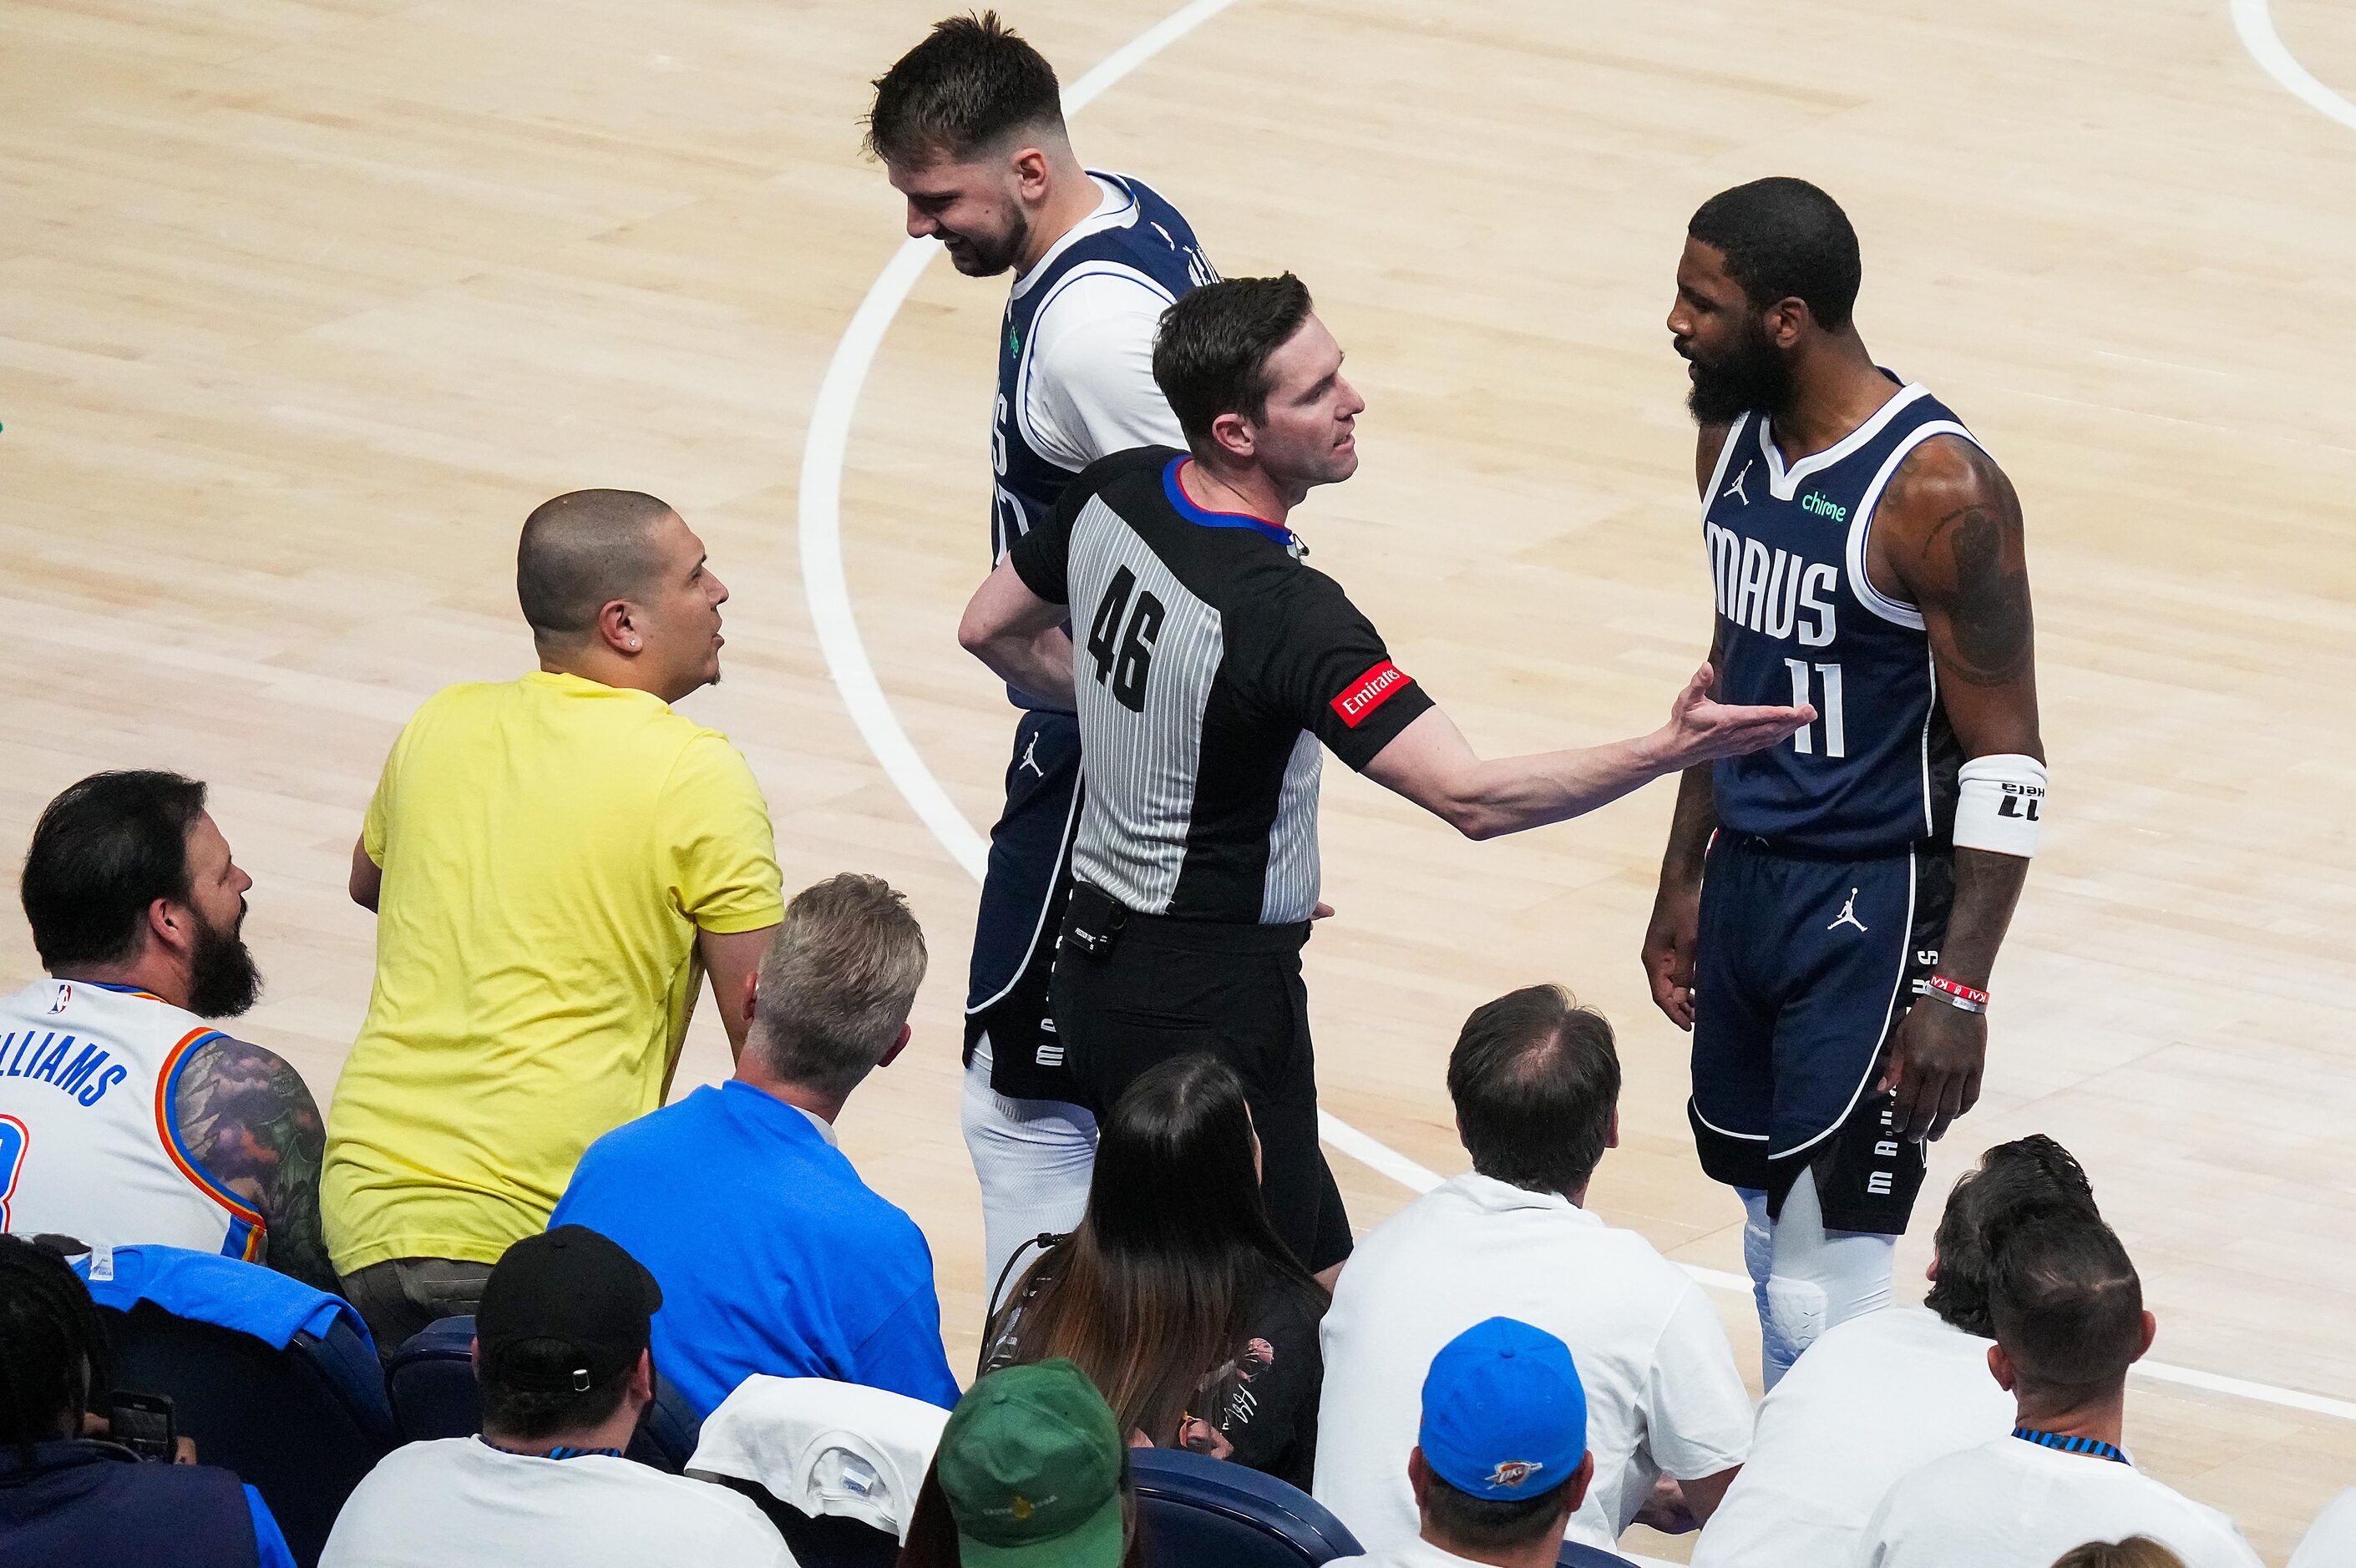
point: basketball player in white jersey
(970, 126)
(126, 1117)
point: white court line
(2254, 20)
(828, 591)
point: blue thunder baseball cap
(1504, 1413)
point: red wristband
(1963, 996)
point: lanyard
(2094, 1445)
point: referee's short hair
(1785, 239)
(1211, 355)
(837, 982)
(972, 83)
(1535, 1078)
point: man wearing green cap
(1035, 1472)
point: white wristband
(2000, 804)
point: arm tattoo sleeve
(1989, 612)
(247, 1117)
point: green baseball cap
(1030, 1463)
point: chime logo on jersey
(1370, 691)
(1773, 591)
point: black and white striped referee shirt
(1210, 664)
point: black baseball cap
(564, 1312)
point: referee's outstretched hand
(1701, 729)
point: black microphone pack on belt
(1093, 921)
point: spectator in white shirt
(1537, 1085)
(560, 1351)
(2069, 1317)
(1500, 1461)
(2331, 1540)
(1886, 1393)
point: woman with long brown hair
(1176, 1294)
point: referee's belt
(1095, 921)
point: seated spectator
(2069, 1318)
(1175, 1294)
(1537, 1085)
(773, 1257)
(2135, 1552)
(1031, 1473)
(66, 1493)
(561, 1352)
(2331, 1540)
(1493, 1469)
(1885, 1393)
(149, 1124)
(556, 863)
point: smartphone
(143, 1423)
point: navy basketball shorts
(1023, 891)
(1803, 969)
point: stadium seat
(1201, 1512)
(301, 1424)
(432, 1381)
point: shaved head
(582, 551)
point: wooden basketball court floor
(303, 305)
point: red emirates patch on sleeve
(1370, 691)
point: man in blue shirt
(772, 1253)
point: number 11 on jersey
(1828, 707)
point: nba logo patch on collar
(1513, 1472)
(65, 995)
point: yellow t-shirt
(550, 846)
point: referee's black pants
(1172, 987)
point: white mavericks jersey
(89, 1142)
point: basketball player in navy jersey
(1830, 909)
(970, 126)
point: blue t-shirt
(773, 1256)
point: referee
(1209, 667)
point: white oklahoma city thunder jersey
(89, 1142)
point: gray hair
(837, 983)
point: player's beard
(222, 979)
(987, 259)
(1756, 375)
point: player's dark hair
(1493, 1524)
(102, 851)
(1211, 355)
(2012, 1179)
(1151, 1293)
(2065, 1302)
(1535, 1078)
(580, 553)
(530, 1415)
(52, 1345)
(972, 82)
(1784, 238)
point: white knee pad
(1816, 1278)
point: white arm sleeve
(1089, 389)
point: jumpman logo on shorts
(1031, 759)
(1735, 490)
(1847, 916)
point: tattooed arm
(1947, 538)
(246, 1117)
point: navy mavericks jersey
(1798, 622)
(1147, 243)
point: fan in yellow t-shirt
(555, 861)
